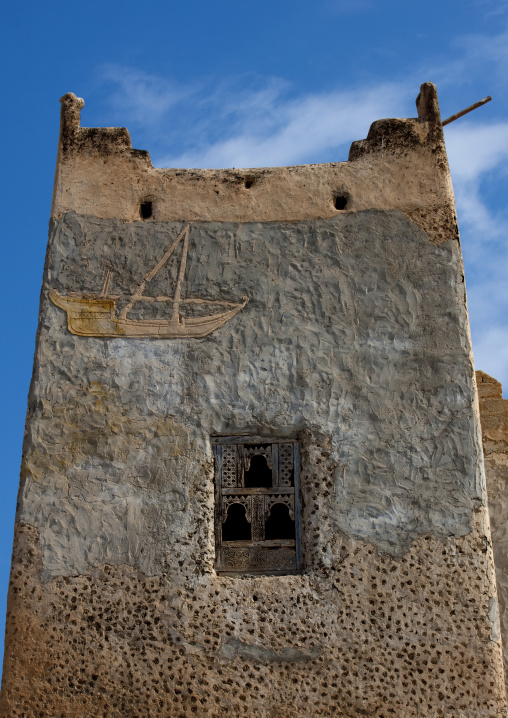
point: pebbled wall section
(371, 636)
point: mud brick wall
(345, 329)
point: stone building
(252, 479)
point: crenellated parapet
(400, 166)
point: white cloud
(294, 130)
(476, 148)
(490, 351)
(477, 153)
(477, 60)
(480, 49)
(145, 98)
(493, 7)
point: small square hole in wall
(340, 201)
(145, 209)
(257, 506)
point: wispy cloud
(308, 128)
(145, 98)
(490, 352)
(478, 155)
(475, 59)
(487, 53)
(476, 151)
(494, 7)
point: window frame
(275, 550)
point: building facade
(252, 478)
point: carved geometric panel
(286, 464)
(229, 460)
(250, 451)
(258, 559)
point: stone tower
(252, 479)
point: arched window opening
(259, 474)
(236, 527)
(279, 524)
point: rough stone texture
(355, 342)
(494, 420)
(370, 636)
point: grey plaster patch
(344, 341)
(236, 649)
(494, 619)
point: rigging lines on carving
(96, 315)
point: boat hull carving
(97, 317)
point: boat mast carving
(96, 315)
(178, 292)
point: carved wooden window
(257, 514)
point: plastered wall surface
(338, 336)
(349, 334)
(494, 420)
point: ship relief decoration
(174, 314)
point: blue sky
(202, 84)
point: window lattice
(257, 517)
(286, 464)
(229, 458)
